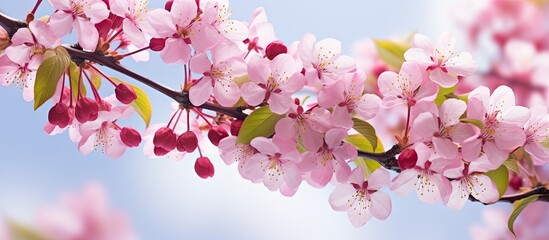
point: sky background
(165, 199)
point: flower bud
(4, 39)
(158, 151)
(407, 159)
(125, 93)
(59, 115)
(103, 28)
(86, 110)
(217, 133)
(274, 49)
(168, 5)
(203, 167)
(187, 142)
(157, 44)
(515, 182)
(130, 137)
(165, 138)
(235, 127)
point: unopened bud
(168, 5)
(235, 127)
(165, 138)
(274, 49)
(217, 133)
(407, 159)
(157, 44)
(130, 137)
(86, 110)
(204, 168)
(59, 115)
(187, 142)
(158, 151)
(125, 93)
(515, 182)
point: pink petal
(258, 70)
(386, 83)
(484, 189)
(462, 64)
(358, 213)
(501, 99)
(509, 136)
(368, 106)
(445, 147)
(43, 33)
(381, 205)
(61, 4)
(404, 182)
(176, 51)
(200, 63)
(445, 44)
(134, 34)
(443, 79)
(322, 174)
(331, 94)
(183, 11)
(61, 23)
(378, 179)
(516, 114)
(227, 93)
(264, 145)
(161, 22)
(421, 41)
(285, 128)
(280, 103)
(87, 34)
(201, 91)
(459, 195)
(119, 8)
(339, 198)
(204, 38)
(451, 111)
(116, 147)
(427, 191)
(341, 117)
(273, 178)
(494, 154)
(419, 56)
(252, 94)
(334, 137)
(424, 126)
(471, 149)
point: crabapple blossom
(273, 82)
(275, 163)
(216, 13)
(218, 75)
(537, 134)
(330, 159)
(80, 15)
(408, 86)
(134, 13)
(346, 98)
(260, 34)
(21, 75)
(231, 151)
(443, 63)
(360, 197)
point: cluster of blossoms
(448, 144)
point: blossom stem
(95, 93)
(33, 11)
(136, 51)
(407, 122)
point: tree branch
(386, 159)
(538, 190)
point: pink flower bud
(187, 142)
(130, 137)
(158, 151)
(274, 49)
(86, 110)
(235, 127)
(516, 182)
(4, 39)
(125, 93)
(203, 167)
(157, 44)
(59, 115)
(407, 159)
(168, 5)
(103, 28)
(165, 138)
(216, 134)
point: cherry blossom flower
(502, 124)
(273, 82)
(405, 87)
(346, 98)
(217, 13)
(84, 215)
(260, 33)
(322, 61)
(231, 151)
(537, 134)
(329, 159)
(218, 76)
(275, 163)
(22, 76)
(361, 198)
(426, 177)
(134, 13)
(445, 65)
(80, 15)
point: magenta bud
(130, 137)
(216, 134)
(103, 28)
(407, 159)
(168, 5)
(59, 115)
(165, 138)
(187, 142)
(86, 110)
(203, 167)
(515, 182)
(158, 151)
(157, 44)
(274, 49)
(125, 93)
(235, 127)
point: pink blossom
(260, 34)
(273, 82)
(217, 76)
(217, 13)
(275, 163)
(322, 61)
(502, 124)
(360, 197)
(84, 215)
(443, 63)
(408, 86)
(134, 13)
(22, 76)
(537, 134)
(231, 152)
(426, 177)
(346, 98)
(330, 159)
(81, 15)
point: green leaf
(142, 104)
(511, 164)
(49, 73)
(96, 79)
(442, 92)
(20, 232)
(360, 142)
(518, 206)
(368, 165)
(74, 75)
(260, 123)
(500, 177)
(475, 122)
(366, 130)
(391, 52)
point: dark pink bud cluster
(187, 142)
(164, 141)
(59, 115)
(86, 110)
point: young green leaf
(511, 164)
(368, 165)
(518, 206)
(500, 177)
(442, 92)
(391, 52)
(366, 130)
(21, 232)
(49, 73)
(361, 143)
(260, 123)
(142, 104)
(475, 122)
(74, 75)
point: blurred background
(165, 199)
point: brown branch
(386, 159)
(538, 190)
